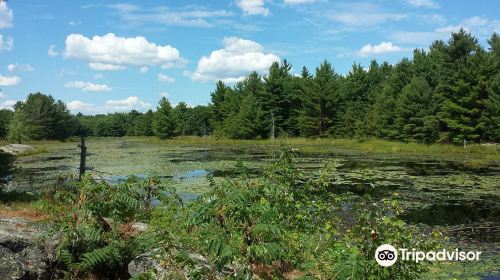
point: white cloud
(8, 104)
(98, 76)
(351, 16)
(74, 22)
(6, 15)
(384, 47)
(52, 51)
(3, 95)
(130, 103)
(86, 86)
(233, 62)
(164, 94)
(110, 106)
(193, 16)
(298, 2)
(144, 69)
(365, 19)
(253, 7)
(20, 67)
(9, 81)
(6, 44)
(164, 78)
(77, 106)
(110, 52)
(423, 3)
(105, 67)
(478, 26)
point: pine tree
(163, 122)
(415, 111)
(20, 128)
(5, 117)
(461, 91)
(490, 117)
(317, 115)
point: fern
(107, 254)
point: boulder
(16, 149)
(23, 255)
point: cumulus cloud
(164, 78)
(77, 106)
(3, 95)
(6, 15)
(384, 47)
(86, 86)
(423, 3)
(233, 62)
(144, 69)
(110, 52)
(20, 67)
(110, 106)
(9, 81)
(7, 104)
(6, 44)
(130, 103)
(253, 7)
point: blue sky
(113, 56)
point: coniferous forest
(449, 93)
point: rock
(15, 149)
(10, 268)
(142, 264)
(152, 262)
(22, 253)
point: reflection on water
(454, 214)
(191, 174)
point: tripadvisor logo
(386, 255)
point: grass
(474, 154)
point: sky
(114, 56)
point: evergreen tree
(415, 111)
(317, 114)
(163, 122)
(490, 117)
(5, 117)
(20, 128)
(461, 92)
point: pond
(463, 202)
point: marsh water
(461, 201)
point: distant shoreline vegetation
(448, 94)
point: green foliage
(40, 117)
(5, 117)
(20, 129)
(163, 121)
(284, 223)
(318, 101)
(415, 112)
(96, 220)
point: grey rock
(15, 149)
(23, 255)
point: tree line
(447, 94)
